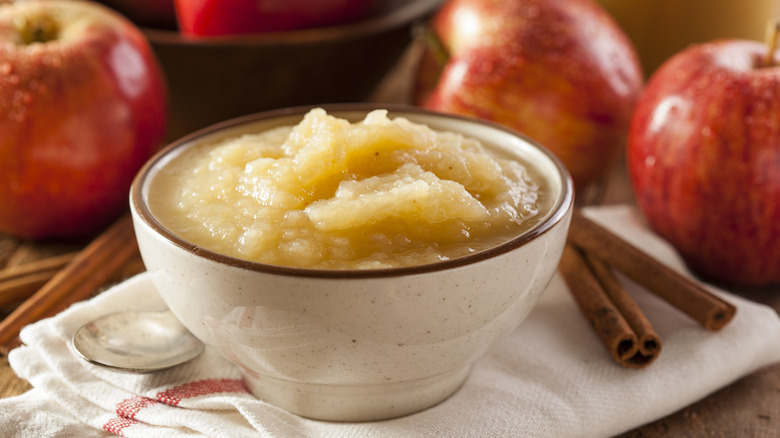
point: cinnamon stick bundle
(81, 277)
(625, 332)
(21, 281)
(681, 292)
(590, 253)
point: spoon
(136, 341)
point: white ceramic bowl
(356, 345)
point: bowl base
(356, 403)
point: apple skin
(231, 17)
(704, 160)
(560, 71)
(79, 115)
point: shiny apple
(231, 17)
(704, 158)
(82, 106)
(561, 71)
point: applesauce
(328, 193)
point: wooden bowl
(217, 78)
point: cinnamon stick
(19, 289)
(649, 344)
(76, 281)
(681, 292)
(21, 281)
(48, 264)
(615, 317)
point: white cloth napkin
(550, 377)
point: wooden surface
(749, 407)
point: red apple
(83, 105)
(228, 17)
(704, 157)
(561, 71)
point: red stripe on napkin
(117, 425)
(129, 408)
(203, 387)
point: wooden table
(749, 407)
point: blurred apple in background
(560, 71)
(704, 157)
(231, 17)
(82, 106)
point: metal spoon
(136, 342)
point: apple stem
(41, 30)
(424, 33)
(772, 31)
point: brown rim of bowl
(557, 211)
(406, 13)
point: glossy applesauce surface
(333, 194)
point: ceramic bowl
(362, 344)
(216, 78)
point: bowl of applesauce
(352, 260)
